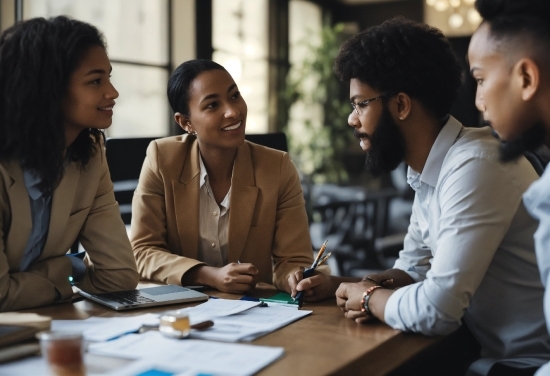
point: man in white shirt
(510, 59)
(469, 252)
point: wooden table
(323, 343)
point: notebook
(10, 334)
(148, 297)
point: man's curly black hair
(522, 20)
(37, 58)
(403, 56)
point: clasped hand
(348, 298)
(235, 278)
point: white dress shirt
(470, 249)
(213, 223)
(537, 201)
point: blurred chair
(539, 158)
(271, 140)
(125, 157)
(365, 228)
(398, 210)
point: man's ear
(183, 122)
(403, 105)
(529, 75)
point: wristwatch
(365, 301)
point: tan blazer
(84, 207)
(268, 225)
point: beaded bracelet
(365, 301)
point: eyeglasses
(358, 107)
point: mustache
(358, 134)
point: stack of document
(239, 320)
(159, 355)
(153, 354)
(234, 320)
(98, 329)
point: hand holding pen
(310, 271)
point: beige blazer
(83, 207)
(268, 225)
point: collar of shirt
(204, 181)
(446, 138)
(31, 183)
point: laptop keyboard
(127, 297)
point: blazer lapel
(62, 203)
(243, 201)
(21, 221)
(186, 202)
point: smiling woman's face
(90, 94)
(217, 112)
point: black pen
(309, 272)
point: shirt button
(215, 213)
(213, 245)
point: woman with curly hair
(55, 188)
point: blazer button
(213, 245)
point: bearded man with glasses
(468, 257)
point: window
(137, 34)
(240, 42)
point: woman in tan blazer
(211, 208)
(55, 97)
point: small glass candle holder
(174, 324)
(63, 352)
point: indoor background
(280, 53)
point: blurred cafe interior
(280, 52)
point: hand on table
(348, 298)
(233, 278)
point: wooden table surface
(323, 343)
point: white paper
(95, 366)
(217, 308)
(105, 328)
(250, 324)
(187, 356)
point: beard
(387, 145)
(531, 140)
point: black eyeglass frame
(367, 101)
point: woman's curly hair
(403, 56)
(37, 58)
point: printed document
(250, 324)
(161, 354)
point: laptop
(148, 297)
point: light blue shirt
(40, 214)
(470, 249)
(41, 207)
(537, 202)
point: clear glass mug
(174, 324)
(63, 353)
